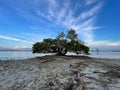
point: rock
(82, 74)
(74, 82)
(69, 87)
(71, 66)
(51, 83)
(75, 71)
(96, 71)
(113, 73)
(81, 86)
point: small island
(59, 44)
(60, 72)
(62, 44)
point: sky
(25, 22)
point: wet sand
(59, 73)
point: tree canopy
(61, 44)
(71, 35)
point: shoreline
(66, 56)
(26, 55)
(59, 72)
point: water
(15, 55)
(108, 55)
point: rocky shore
(59, 73)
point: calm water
(111, 55)
(15, 55)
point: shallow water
(15, 55)
(109, 55)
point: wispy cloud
(83, 22)
(89, 2)
(15, 39)
(104, 43)
(15, 47)
(93, 28)
(80, 15)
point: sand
(59, 73)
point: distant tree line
(61, 44)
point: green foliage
(71, 35)
(39, 47)
(60, 43)
(60, 36)
(77, 47)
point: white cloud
(83, 22)
(63, 13)
(81, 16)
(91, 12)
(89, 2)
(104, 43)
(14, 47)
(15, 39)
(92, 28)
(79, 4)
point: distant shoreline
(105, 51)
(90, 50)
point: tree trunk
(62, 51)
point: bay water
(20, 55)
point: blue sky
(24, 22)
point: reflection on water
(15, 55)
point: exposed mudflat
(59, 73)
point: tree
(39, 47)
(48, 42)
(61, 45)
(85, 49)
(71, 35)
(60, 36)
